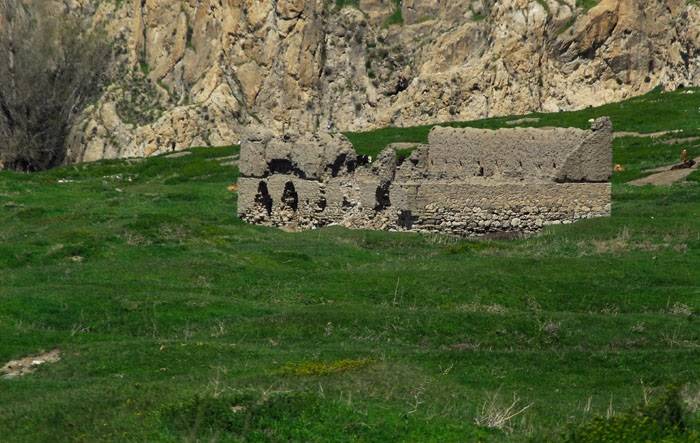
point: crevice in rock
(347, 204)
(401, 85)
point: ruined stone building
(464, 181)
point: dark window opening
(337, 164)
(284, 166)
(290, 196)
(322, 204)
(263, 197)
(382, 197)
(481, 172)
(351, 166)
(406, 219)
(362, 160)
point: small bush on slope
(662, 419)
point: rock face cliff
(203, 72)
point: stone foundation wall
(467, 182)
(476, 209)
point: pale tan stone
(222, 68)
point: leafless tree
(52, 66)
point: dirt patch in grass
(324, 368)
(27, 365)
(679, 140)
(666, 177)
(493, 308)
(618, 134)
(178, 154)
(522, 121)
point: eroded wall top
(311, 156)
(530, 154)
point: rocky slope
(201, 72)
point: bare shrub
(616, 245)
(691, 398)
(680, 309)
(639, 327)
(53, 66)
(496, 415)
(551, 328)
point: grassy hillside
(179, 322)
(655, 112)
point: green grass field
(178, 322)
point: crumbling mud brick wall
(464, 181)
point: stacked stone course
(467, 182)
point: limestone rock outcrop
(205, 72)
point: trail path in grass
(618, 134)
(677, 141)
(673, 141)
(666, 176)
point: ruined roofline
(531, 154)
(542, 153)
(310, 156)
